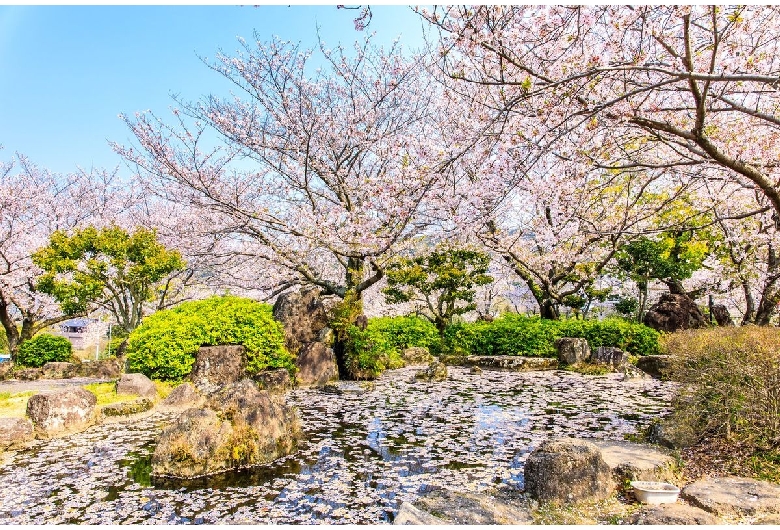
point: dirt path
(44, 385)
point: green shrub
(164, 346)
(730, 385)
(43, 349)
(514, 334)
(407, 332)
(369, 352)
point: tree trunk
(548, 309)
(750, 304)
(11, 331)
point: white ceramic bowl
(655, 492)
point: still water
(362, 454)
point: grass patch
(588, 369)
(106, 394)
(14, 405)
(609, 511)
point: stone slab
(668, 514)
(511, 362)
(734, 496)
(632, 461)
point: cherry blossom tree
(319, 172)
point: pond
(362, 454)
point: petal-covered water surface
(362, 454)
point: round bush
(43, 349)
(164, 346)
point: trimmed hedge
(43, 349)
(164, 346)
(514, 334)
(406, 332)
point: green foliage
(407, 332)
(730, 385)
(514, 334)
(43, 349)
(164, 346)
(627, 305)
(107, 265)
(369, 352)
(444, 280)
(344, 314)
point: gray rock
(734, 495)
(668, 514)
(416, 356)
(6, 370)
(326, 336)
(436, 371)
(769, 519)
(274, 381)
(58, 370)
(184, 396)
(15, 432)
(408, 514)
(349, 387)
(656, 365)
(674, 312)
(514, 363)
(475, 370)
(218, 365)
(472, 508)
(241, 427)
(28, 374)
(136, 384)
(721, 315)
(65, 411)
(568, 470)
(316, 364)
(303, 316)
(572, 350)
(632, 461)
(609, 355)
(102, 369)
(632, 373)
(127, 408)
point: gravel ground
(362, 454)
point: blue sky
(67, 72)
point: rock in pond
(734, 496)
(274, 381)
(65, 411)
(408, 514)
(15, 432)
(316, 364)
(184, 396)
(609, 355)
(632, 461)
(349, 387)
(241, 427)
(568, 470)
(668, 514)
(218, 365)
(303, 315)
(127, 408)
(655, 365)
(572, 350)
(436, 371)
(416, 356)
(511, 362)
(136, 384)
(54, 370)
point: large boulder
(734, 496)
(303, 315)
(721, 315)
(316, 364)
(218, 365)
(633, 461)
(241, 427)
(65, 411)
(416, 356)
(274, 381)
(609, 355)
(28, 374)
(669, 514)
(436, 371)
(657, 366)
(138, 385)
(674, 312)
(568, 470)
(15, 432)
(6, 370)
(184, 396)
(572, 350)
(102, 369)
(54, 370)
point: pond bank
(363, 453)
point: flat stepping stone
(734, 495)
(633, 461)
(408, 514)
(665, 514)
(452, 508)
